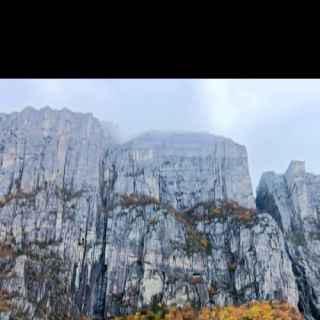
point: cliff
(293, 200)
(92, 227)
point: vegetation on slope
(205, 212)
(263, 310)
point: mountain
(293, 199)
(93, 227)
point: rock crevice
(100, 228)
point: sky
(277, 120)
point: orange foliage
(262, 310)
(245, 216)
(128, 200)
(4, 301)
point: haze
(277, 120)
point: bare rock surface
(294, 201)
(90, 226)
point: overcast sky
(277, 120)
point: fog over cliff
(269, 117)
(91, 226)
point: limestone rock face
(294, 200)
(164, 262)
(186, 168)
(49, 191)
(92, 227)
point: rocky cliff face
(92, 227)
(178, 242)
(293, 199)
(49, 188)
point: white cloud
(228, 105)
(277, 120)
(236, 106)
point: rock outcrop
(294, 201)
(92, 227)
(186, 168)
(49, 191)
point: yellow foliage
(204, 242)
(211, 291)
(263, 310)
(216, 210)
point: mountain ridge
(90, 226)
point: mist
(277, 120)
